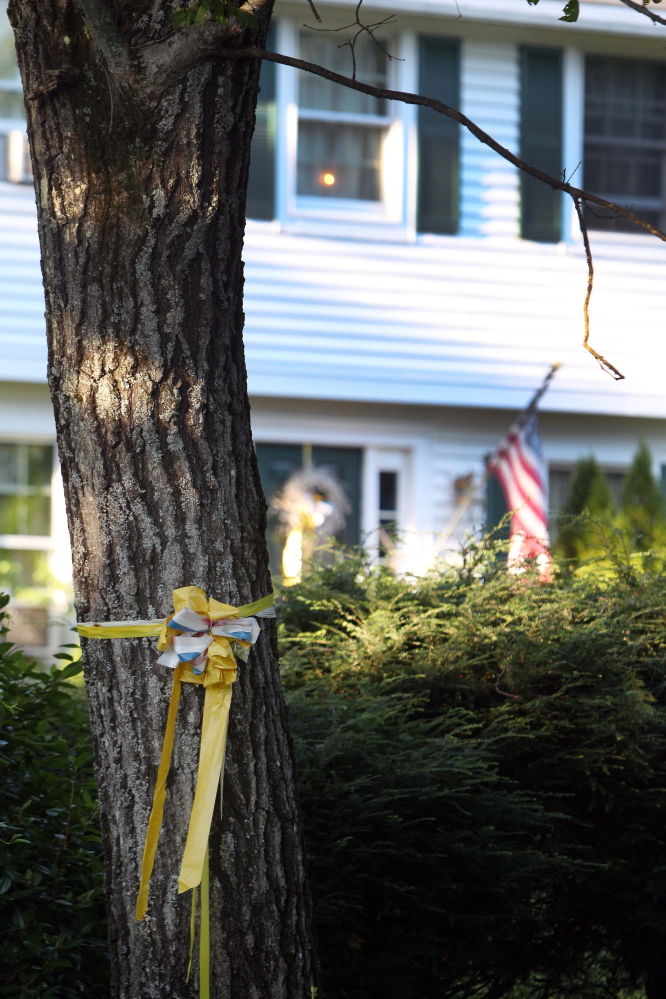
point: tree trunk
(141, 218)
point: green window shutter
(541, 142)
(261, 180)
(439, 137)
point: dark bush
(482, 764)
(52, 919)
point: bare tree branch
(429, 102)
(360, 29)
(603, 363)
(643, 9)
(314, 10)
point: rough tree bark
(140, 170)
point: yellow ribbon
(217, 676)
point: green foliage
(482, 771)
(198, 11)
(571, 9)
(482, 764)
(590, 499)
(591, 529)
(642, 508)
(53, 936)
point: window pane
(40, 465)
(36, 515)
(344, 463)
(339, 161)
(388, 491)
(8, 63)
(625, 138)
(9, 514)
(8, 464)
(11, 100)
(323, 95)
(277, 463)
(22, 570)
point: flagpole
(466, 501)
(540, 392)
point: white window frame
(394, 216)
(573, 137)
(54, 545)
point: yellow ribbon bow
(201, 641)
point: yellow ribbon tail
(193, 928)
(211, 760)
(204, 935)
(159, 797)
(248, 610)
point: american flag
(519, 468)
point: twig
(367, 29)
(603, 363)
(643, 9)
(505, 693)
(314, 10)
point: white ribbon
(193, 648)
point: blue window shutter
(261, 180)
(541, 142)
(439, 137)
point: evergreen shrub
(482, 765)
(52, 918)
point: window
(559, 483)
(14, 152)
(625, 138)
(439, 137)
(541, 142)
(341, 132)
(25, 527)
(279, 462)
(261, 180)
(25, 489)
(388, 512)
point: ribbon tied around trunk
(201, 641)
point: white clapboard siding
(454, 321)
(489, 202)
(447, 321)
(22, 337)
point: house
(406, 289)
